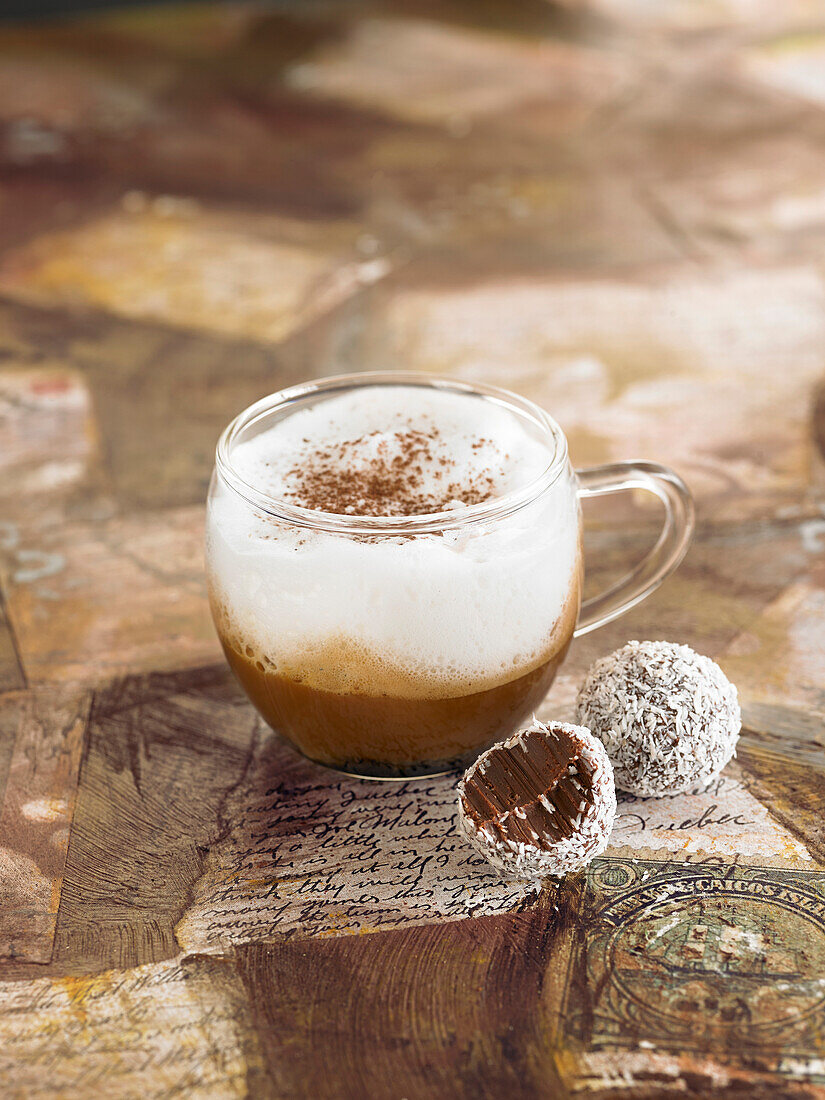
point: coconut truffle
(541, 803)
(668, 717)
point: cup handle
(670, 547)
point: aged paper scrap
(194, 266)
(721, 818)
(167, 1029)
(309, 852)
(312, 852)
(106, 598)
(48, 439)
(36, 815)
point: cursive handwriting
(156, 1032)
(340, 857)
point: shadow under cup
(400, 647)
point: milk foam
(469, 440)
(447, 613)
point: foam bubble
(446, 613)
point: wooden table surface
(615, 208)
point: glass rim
(426, 523)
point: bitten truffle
(541, 803)
(668, 717)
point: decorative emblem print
(700, 958)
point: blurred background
(612, 205)
(615, 207)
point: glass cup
(392, 647)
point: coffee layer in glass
(397, 646)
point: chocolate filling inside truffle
(537, 791)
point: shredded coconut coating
(668, 717)
(547, 858)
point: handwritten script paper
(312, 852)
(308, 852)
(167, 1029)
(721, 819)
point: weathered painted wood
(615, 210)
(36, 816)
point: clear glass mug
(398, 647)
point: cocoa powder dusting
(388, 474)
